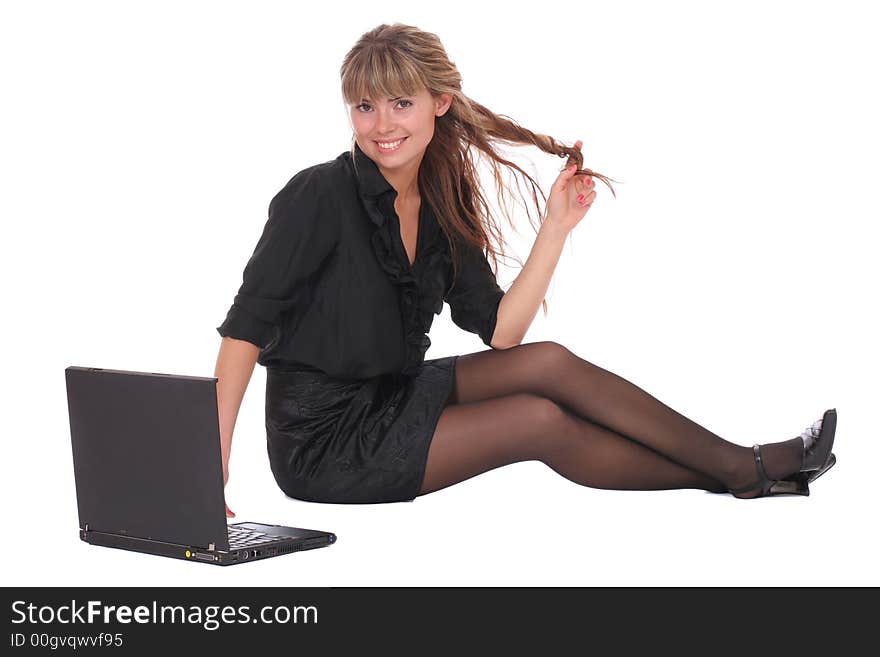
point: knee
(545, 411)
(549, 356)
(551, 420)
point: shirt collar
(370, 179)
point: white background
(733, 277)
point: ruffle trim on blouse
(416, 309)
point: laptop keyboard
(243, 538)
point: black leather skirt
(354, 441)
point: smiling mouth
(394, 145)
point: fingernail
(580, 197)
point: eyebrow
(390, 100)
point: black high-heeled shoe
(813, 475)
(793, 485)
(815, 461)
(817, 458)
(814, 434)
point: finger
(586, 180)
(584, 200)
(564, 177)
(571, 158)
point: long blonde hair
(400, 60)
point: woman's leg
(549, 370)
(475, 437)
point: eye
(408, 105)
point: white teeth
(390, 145)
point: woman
(360, 252)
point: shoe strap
(759, 462)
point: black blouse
(329, 285)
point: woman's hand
(571, 196)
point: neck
(404, 180)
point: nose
(383, 123)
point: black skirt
(354, 441)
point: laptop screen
(146, 453)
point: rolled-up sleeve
(474, 297)
(296, 239)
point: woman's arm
(520, 303)
(570, 198)
(235, 365)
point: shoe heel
(815, 474)
(794, 486)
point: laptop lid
(146, 455)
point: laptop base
(290, 539)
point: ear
(444, 101)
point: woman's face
(404, 124)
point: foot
(769, 463)
(761, 480)
(783, 461)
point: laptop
(146, 460)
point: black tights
(539, 401)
